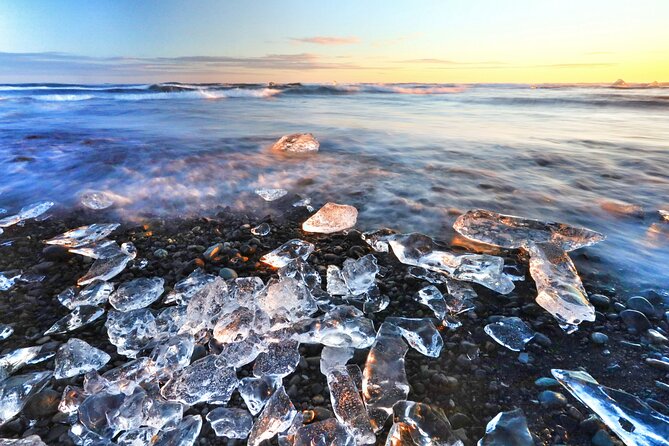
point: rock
(160, 253)
(227, 273)
(542, 339)
(213, 253)
(599, 338)
(658, 364)
(54, 253)
(642, 305)
(297, 143)
(600, 301)
(42, 404)
(635, 320)
(552, 400)
(546, 382)
(459, 420)
(602, 438)
(590, 425)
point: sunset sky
(345, 41)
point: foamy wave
(63, 97)
(416, 90)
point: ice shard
(333, 358)
(96, 200)
(559, 288)
(5, 331)
(360, 275)
(205, 306)
(15, 391)
(8, 279)
(431, 297)
(137, 293)
(172, 355)
(84, 235)
(287, 299)
(342, 326)
(257, 391)
(130, 414)
(629, 417)
(335, 282)
(304, 203)
(328, 432)
(288, 252)
(511, 332)
(280, 359)
(105, 269)
(79, 317)
(238, 354)
(384, 381)
(207, 380)
(31, 440)
(421, 334)
(96, 293)
(140, 436)
(332, 217)
(27, 212)
(507, 231)
(71, 400)
(276, 417)
(186, 288)
(261, 230)
(230, 422)
(348, 406)
(14, 360)
(378, 239)
(460, 296)
(507, 429)
(427, 424)
(102, 249)
(271, 194)
(297, 143)
(184, 434)
(77, 357)
(132, 331)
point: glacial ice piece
(271, 194)
(304, 203)
(348, 406)
(172, 355)
(297, 143)
(335, 358)
(80, 316)
(105, 269)
(664, 215)
(184, 434)
(82, 435)
(207, 380)
(84, 235)
(328, 432)
(124, 378)
(102, 249)
(137, 293)
(130, 414)
(140, 436)
(27, 212)
(427, 424)
(507, 428)
(8, 279)
(280, 359)
(244, 290)
(431, 297)
(288, 252)
(205, 306)
(236, 325)
(15, 391)
(332, 217)
(77, 357)
(96, 200)
(287, 299)
(560, 291)
(342, 326)
(261, 230)
(460, 296)
(186, 288)
(163, 415)
(71, 400)
(5, 331)
(378, 239)
(507, 231)
(95, 293)
(238, 354)
(132, 331)
(335, 282)
(14, 360)
(31, 440)
(230, 422)
(418, 250)
(629, 417)
(360, 274)
(276, 417)
(421, 334)
(511, 332)
(257, 391)
(302, 271)
(384, 380)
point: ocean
(409, 156)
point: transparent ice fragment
(333, 358)
(8, 279)
(14, 360)
(261, 230)
(507, 231)
(305, 202)
(335, 282)
(95, 293)
(348, 406)
(427, 424)
(105, 269)
(276, 417)
(130, 414)
(271, 194)
(102, 249)
(421, 334)
(140, 436)
(460, 296)
(137, 293)
(83, 235)
(79, 317)
(172, 355)
(71, 400)
(77, 357)
(96, 200)
(243, 290)
(431, 297)
(164, 414)
(378, 239)
(328, 432)
(207, 380)
(205, 306)
(360, 274)
(131, 331)
(332, 217)
(238, 354)
(230, 422)
(235, 325)
(511, 332)
(507, 428)
(343, 326)
(15, 391)
(280, 359)
(186, 288)
(83, 436)
(559, 288)
(384, 381)
(257, 391)
(302, 271)
(288, 252)
(5, 331)
(26, 213)
(31, 440)
(184, 434)
(297, 143)
(286, 299)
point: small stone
(599, 338)
(214, 252)
(600, 301)
(642, 305)
(227, 273)
(552, 400)
(42, 404)
(160, 253)
(658, 364)
(635, 320)
(546, 382)
(54, 253)
(602, 438)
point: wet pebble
(641, 305)
(42, 404)
(160, 253)
(56, 253)
(551, 399)
(227, 273)
(599, 338)
(546, 382)
(635, 320)
(600, 301)
(658, 364)
(602, 438)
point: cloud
(578, 65)
(326, 40)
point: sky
(523, 41)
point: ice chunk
(360, 275)
(511, 332)
(421, 334)
(96, 200)
(431, 297)
(103, 249)
(172, 355)
(427, 424)
(164, 414)
(271, 194)
(335, 358)
(560, 291)
(105, 269)
(184, 434)
(288, 252)
(31, 440)
(14, 360)
(206, 380)
(15, 391)
(384, 380)
(257, 391)
(348, 406)
(332, 217)
(235, 325)
(140, 436)
(130, 414)
(378, 239)
(280, 359)
(287, 299)
(261, 230)
(335, 281)
(26, 213)
(297, 143)
(96, 293)
(131, 332)
(83, 436)
(507, 428)
(230, 422)
(238, 354)
(71, 400)
(276, 417)
(507, 231)
(77, 357)
(8, 279)
(305, 203)
(328, 432)
(80, 316)
(5, 331)
(137, 293)
(302, 271)
(205, 306)
(418, 250)
(343, 326)
(186, 288)
(84, 235)
(460, 296)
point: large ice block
(332, 217)
(83, 235)
(276, 417)
(296, 143)
(137, 293)
(288, 252)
